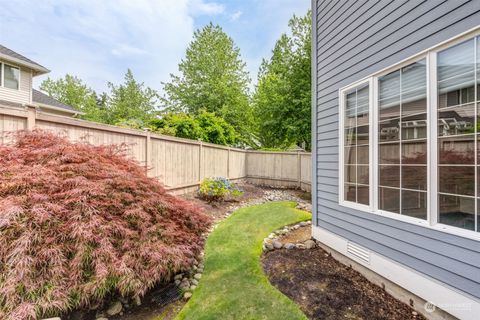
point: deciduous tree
(282, 97)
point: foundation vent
(358, 253)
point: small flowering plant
(218, 189)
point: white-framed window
(9, 76)
(410, 139)
(356, 137)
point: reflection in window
(356, 146)
(457, 122)
(402, 131)
(12, 77)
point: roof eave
(37, 68)
(46, 106)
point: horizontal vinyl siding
(354, 40)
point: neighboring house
(16, 75)
(396, 105)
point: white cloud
(99, 40)
(200, 7)
(235, 16)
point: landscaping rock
(200, 270)
(177, 282)
(55, 318)
(289, 246)
(198, 276)
(102, 318)
(193, 287)
(300, 246)
(115, 308)
(187, 295)
(178, 276)
(309, 244)
(194, 282)
(137, 301)
(269, 246)
(277, 245)
(303, 224)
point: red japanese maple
(78, 222)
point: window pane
(389, 199)
(389, 95)
(457, 120)
(457, 180)
(350, 193)
(414, 152)
(363, 195)
(350, 155)
(389, 153)
(12, 77)
(414, 177)
(457, 150)
(414, 127)
(457, 211)
(456, 74)
(362, 106)
(414, 88)
(362, 174)
(362, 154)
(389, 130)
(350, 110)
(414, 204)
(350, 174)
(389, 176)
(362, 135)
(350, 136)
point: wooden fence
(180, 164)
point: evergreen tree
(212, 77)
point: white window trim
(2, 80)
(430, 55)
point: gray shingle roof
(42, 98)
(19, 58)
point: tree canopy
(282, 99)
(73, 92)
(205, 126)
(212, 77)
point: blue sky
(98, 40)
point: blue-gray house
(396, 142)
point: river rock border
(272, 241)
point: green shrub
(218, 189)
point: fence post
(148, 150)
(228, 163)
(31, 117)
(246, 164)
(200, 158)
(299, 170)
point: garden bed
(326, 289)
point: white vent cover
(358, 253)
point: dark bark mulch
(326, 289)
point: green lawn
(233, 285)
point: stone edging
(272, 243)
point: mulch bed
(326, 289)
